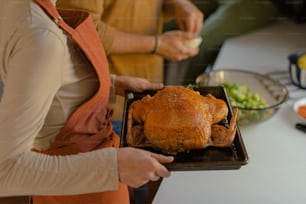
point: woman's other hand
(136, 84)
(137, 167)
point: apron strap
(55, 16)
(88, 40)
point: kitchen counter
(276, 170)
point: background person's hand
(136, 84)
(137, 167)
(172, 45)
(188, 17)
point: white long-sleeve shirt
(45, 77)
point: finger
(162, 171)
(187, 36)
(198, 26)
(162, 158)
(187, 53)
(198, 23)
(181, 24)
(155, 86)
(193, 52)
(155, 177)
(179, 57)
(148, 86)
(152, 86)
(190, 25)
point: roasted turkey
(177, 119)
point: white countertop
(276, 170)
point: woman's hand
(137, 167)
(136, 84)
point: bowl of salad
(257, 96)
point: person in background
(224, 19)
(57, 141)
(131, 32)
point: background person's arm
(170, 45)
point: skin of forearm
(125, 43)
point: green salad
(241, 96)
(251, 105)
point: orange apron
(89, 127)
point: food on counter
(302, 61)
(302, 111)
(241, 96)
(177, 119)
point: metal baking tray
(210, 158)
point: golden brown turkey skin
(175, 119)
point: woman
(56, 134)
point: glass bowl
(273, 92)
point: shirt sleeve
(33, 76)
